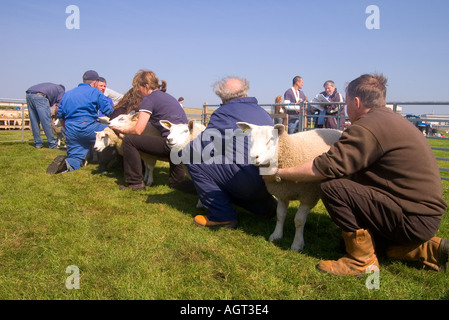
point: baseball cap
(90, 75)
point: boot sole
(356, 275)
(57, 165)
(231, 225)
(443, 255)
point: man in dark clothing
(226, 181)
(40, 98)
(394, 193)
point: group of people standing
(331, 116)
(380, 181)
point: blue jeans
(293, 126)
(39, 110)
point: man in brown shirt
(382, 182)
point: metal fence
(301, 112)
(15, 124)
(14, 121)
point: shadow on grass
(322, 237)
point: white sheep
(108, 137)
(274, 146)
(180, 135)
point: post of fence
(205, 111)
(338, 118)
(301, 117)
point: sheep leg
(300, 221)
(148, 176)
(281, 213)
(199, 205)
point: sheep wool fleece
(79, 110)
(219, 186)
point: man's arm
(302, 173)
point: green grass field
(144, 245)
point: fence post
(338, 117)
(205, 112)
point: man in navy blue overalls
(220, 185)
(79, 112)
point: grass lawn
(143, 245)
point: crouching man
(221, 185)
(394, 194)
(79, 113)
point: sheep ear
(243, 126)
(166, 124)
(280, 128)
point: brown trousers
(353, 206)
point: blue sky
(193, 43)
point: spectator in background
(331, 94)
(181, 101)
(40, 99)
(79, 113)
(278, 109)
(294, 95)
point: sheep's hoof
(274, 237)
(298, 248)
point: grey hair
(228, 91)
(329, 83)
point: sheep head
(124, 121)
(181, 134)
(102, 140)
(263, 142)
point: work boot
(134, 187)
(58, 165)
(359, 256)
(433, 254)
(203, 221)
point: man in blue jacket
(79, 113)
(227, 180)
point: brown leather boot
(359, 256)
(433, 254)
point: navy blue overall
(219, 186)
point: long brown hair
(147, 77)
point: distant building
(398, 108)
